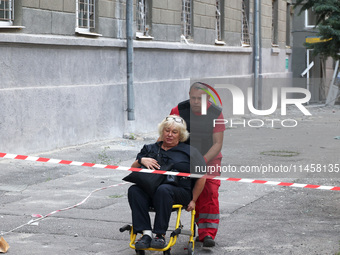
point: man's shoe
(208, 242)
(143, 243)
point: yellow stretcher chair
(173, 236)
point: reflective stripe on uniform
(209, 216)
(208, 225)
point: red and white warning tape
(76, 163)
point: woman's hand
(191, 206)
(150, 163)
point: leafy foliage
(328, 24)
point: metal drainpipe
(129, 60)
(256, 51)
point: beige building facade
(63, 63)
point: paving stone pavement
(255, 218)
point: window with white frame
(187, 18)
(219, 20)
(310, 18)
(142, 19)
(275, 22)
(6, 12)
(85, 15)
(245, 36)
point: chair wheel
(140, 252)
(167, 252)
(191, 249)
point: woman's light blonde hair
(170, 121)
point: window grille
(218, 21)
(275, 13)
(245, 25)
(86, 14)
(187, 18)
(141, 16)
(288, 23)
(143, 19)
(6, 12)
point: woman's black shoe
(143, 243)
(158, 242)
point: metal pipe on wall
(256, 52)
(129, 60)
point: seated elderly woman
(183, 157)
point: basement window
(219, 22)
(86, 17)
(245, 36)
(275, 23)
(6, 12)
(187, 18)
(142, 20)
